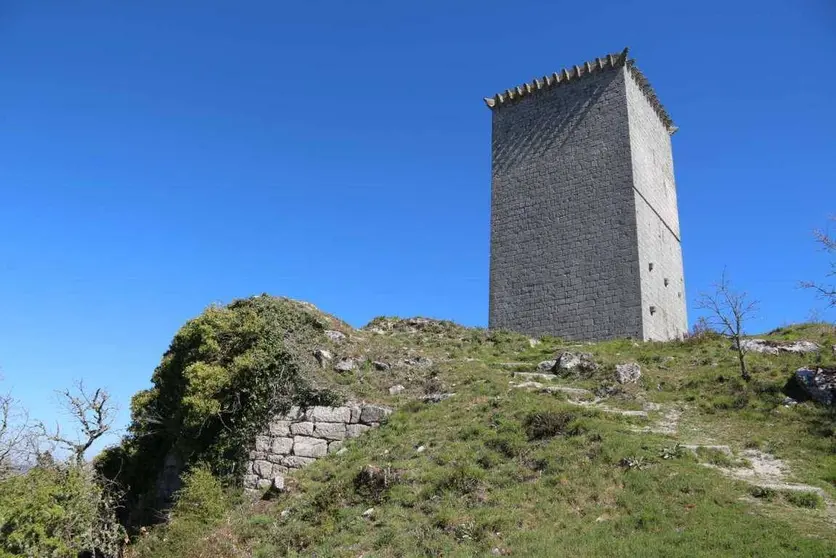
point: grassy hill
(688, 461)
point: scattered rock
(394, 390)
(278, 483)
(817, 384)
(768, 347)
(335, 336)
(789, 402)
(346, 364)
(436, 397)
(323, 357)
(416, 362)
(381, 366)
(342, 451)
(533, 342)
(368, 512)
(420, 449)
(627, 373)
(285, 513)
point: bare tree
(728, 311)
(14, 431)
(93, 413)
(828, 292)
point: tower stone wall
(583, 201)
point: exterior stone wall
(564, 256)
(657, 218)
(302, 436)
(583, 201)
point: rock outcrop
(813, 384)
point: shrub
(547, 424)
(57, 511)
(202, 499)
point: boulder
(547, 366)
(816, 384)
(627, 373)
(569, 362)
(381, 366)
(768, 347)
(262, 443)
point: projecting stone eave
(570, 75)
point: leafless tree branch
(825, 291)
(93, 413)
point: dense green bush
(224, 374)
(57, 511)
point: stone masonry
(585, 241)
(302, 436)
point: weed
(803, 499)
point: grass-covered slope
(532, 471)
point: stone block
(263, 469)
(354, 430)
(282, 445)
(264, 484)
(330, 430)
(334, 447)
(301, 428)
(305, 446)
(356, 410)
(250, 481)
(278, 482)
(374, 413)
(329, 414)
(296, 462)
(262, 443)
(280, 428)
(258, 455)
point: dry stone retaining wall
(303, 435)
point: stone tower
(585, 240)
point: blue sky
(156, 157)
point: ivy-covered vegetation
(224, 374)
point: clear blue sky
(159, 156)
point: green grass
(532, 475)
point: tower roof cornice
(570, 75)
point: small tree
(728, 312)
(94, 414)
(826, 291)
